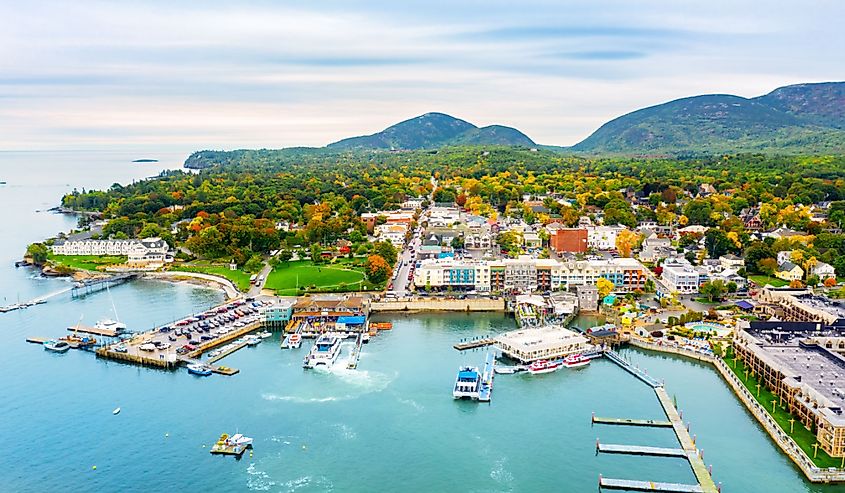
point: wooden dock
(655, 423)
(702, 475)
(235, 347)
(632, 485)
(477, 343)
(37, 340)
(633, 370)
(609, 448)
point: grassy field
(763, 280)
(285, 278)
(802, 436)
(238, 277)
(85, 262)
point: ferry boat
(110, 325)
(200, 370)
(576, 361)
(467, 383)
(324, 353)
(543, 366)
(56, 346)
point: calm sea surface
(391, 425)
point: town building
(449, 273)
(801, 305)
(603, 237)
(802, 364)
(789, 272)
(823, 271)
(140, 252)
(679, 276)
(655, 247)
(588, 297)
(548, 342)
(370, 219)
(731, 261)
(572, 240)
(395, 233)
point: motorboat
(56, 346)
(542, 366)
(266, 334)
(110, 325)
(324, 353)
(576, 361)
(508, 370)
(200, 370)
(467, 383)
(252, 340)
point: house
(706, 189)
(393, 232)
(532, 241)
(782, 233)
(694, 229)
(655, 247)
(568, 240)
(789, 272)
(823, 271)
(731, 261)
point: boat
(365, 338)
(508, 370)
(576, 361)
(232, 445)
(543, 366)
(252, 340)
(110, 325)
(56, 346)
(200, 370)
(292, 341)
(324, 353)
(79, 342)
(467, 383)
(116, 411)
(265, 334)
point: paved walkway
(227, 285)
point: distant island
(145, 161)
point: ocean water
(390, 425)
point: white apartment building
(680, 276)
(134, 248)
(450, 273)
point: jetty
(485, 389)
(474, 343)
(356, 353)
(631, 485)
(633, 370)
(609, 448)
(88, 286)
(96, 331)
(220, 370)
(34, 301)
(656, 423)
(227, 352)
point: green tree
(37, 252)
(713, 290)
(386, 250)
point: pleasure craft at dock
(542, 366)
(324, 353)
(56, 346)
(467, 383)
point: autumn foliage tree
(604, 286)
(626, 240)
(377, 269)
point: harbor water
(389, 425)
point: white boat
(56, 346)
(265, 334)
(110, 325)
(576, 361)
(238, 440)
(365, 338)
(252, 340)
(467, 383)
(508, 370)
(201, 370)
(324, 353)
(542, 366)
(116, 411)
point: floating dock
(356, 353)
(631, 485)
(477, 343)
(37, 340)
(485, 390)
(235, 347)
(632, 422)
(609, 448)
(96, 331)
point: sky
(216, 74)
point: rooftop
(548, 337)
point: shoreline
(812, 473)
(197, 279)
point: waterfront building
(588, 298)
(277, 314)
(548, 342)
(801, 305)
(802, 364)
(320, 313)
(138, 251)
(679, 276)
(450, 273)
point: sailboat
(77, 341)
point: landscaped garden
(771, 403)
(762, 280)
(298, 277)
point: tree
(37, 252)
(285, 255)
(626, 240)
(796, 284)
(713, 290)
(604, 286)
(767, 266)
(254, 264)
(830, 282)
(377, 269)
(732, 287)
(386, 251)
(812, 280)
(316, 253)
(457, 242)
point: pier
(631, 485)
(485, 390)
(95, 331)
(633, 370)
(632, 422)
(356, 353)
(88, 286)
(609, 448)
(473, 344)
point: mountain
(799, 118)
(433, 130)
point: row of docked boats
(543, 366)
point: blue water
(391, 425)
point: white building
(136, 248)
(603, 237)
(680, 277)
(451, 273)
(547, 342)
(392, 232)
(823, 270)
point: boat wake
(345, 431)
(298, 399)
(320, 483)
(258, 480)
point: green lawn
(285, 278)
(802, 436)
(763, 280)
(238, 277)
(85, 262)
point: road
(401, 284)
(256, 288)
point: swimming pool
(719, 329)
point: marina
(631, 422)
(609, 448)
(631, 485)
